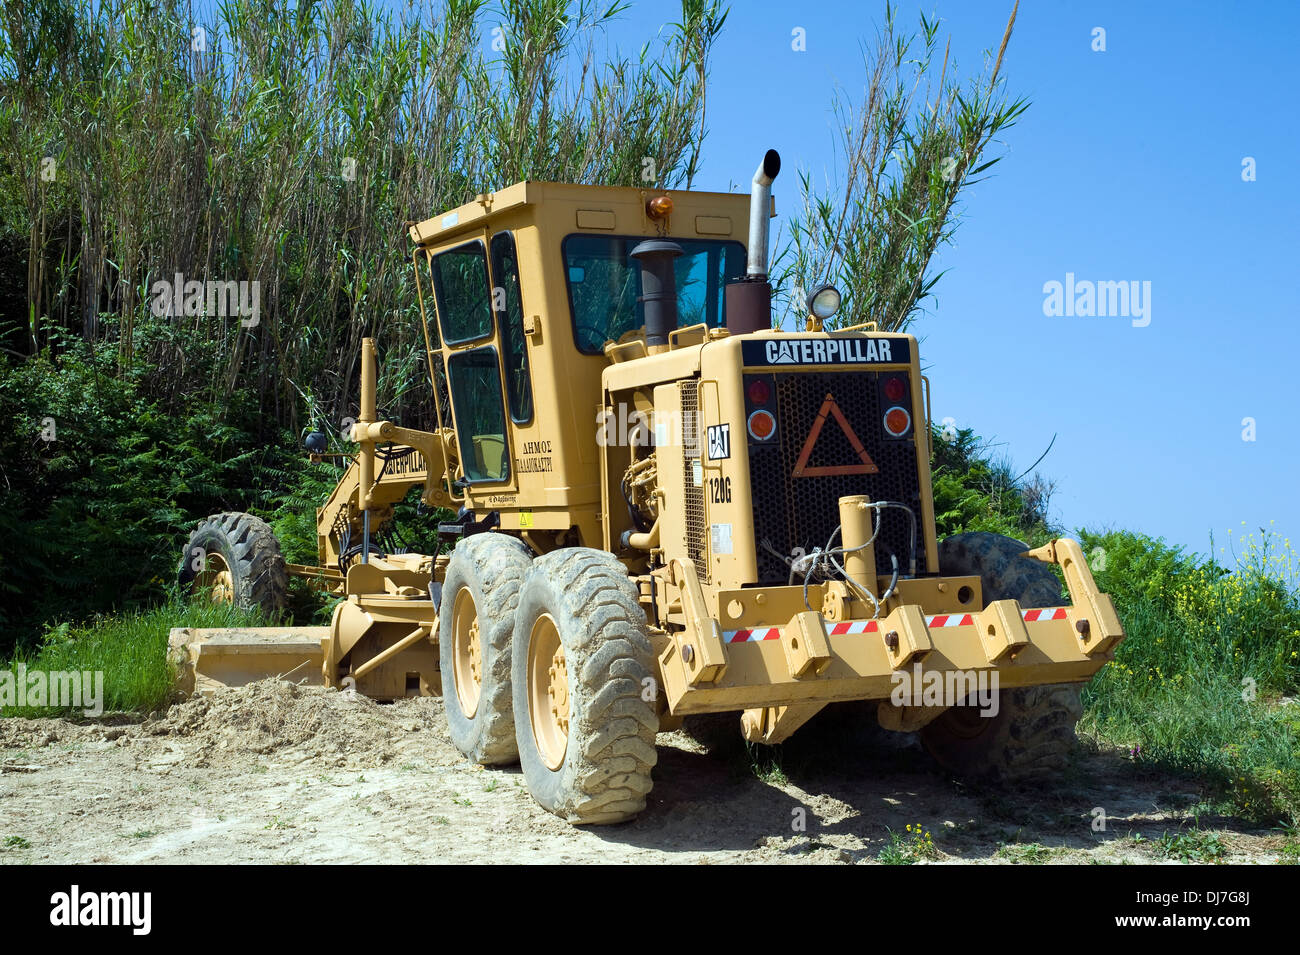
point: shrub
(1197, 685)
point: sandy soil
(280, 773)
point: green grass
(1289, 854)
(14, 842)
(906, 849)
(1196, 687)
(1030, 853)
(130, 649)
(769, 771)
(1192, 846)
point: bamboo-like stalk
(231, 160)
(904, 162)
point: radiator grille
(697, 528)
(803, 512)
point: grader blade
(208, 660)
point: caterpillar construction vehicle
(663, 506)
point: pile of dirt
(272, 717)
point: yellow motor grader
(663, 507)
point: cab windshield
(605, 281)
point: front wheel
(582, 676)
(475, 621)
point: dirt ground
(280, 773)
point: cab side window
(475, 379)
(510, 319)
(460, 288)
(464, 299)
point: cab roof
(715, 213)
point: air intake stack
(658, 289)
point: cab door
(463, 297)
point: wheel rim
(548, 692)
(467, 654)
(217, 579)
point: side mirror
(316, 442)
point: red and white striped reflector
(750, 636)
(847, 627)
(1047, 613)
(949, 620)
(852, 626)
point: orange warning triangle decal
(830, 408)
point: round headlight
(824, 301)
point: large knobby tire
(475, 623)
(237, 558)
(583, 688)
(1032, 736)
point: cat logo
(865, 466)
(719, 442)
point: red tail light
(895, 389)
(759, 392)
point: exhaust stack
(760, 211)
(749, 299)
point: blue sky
(1127, 166)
